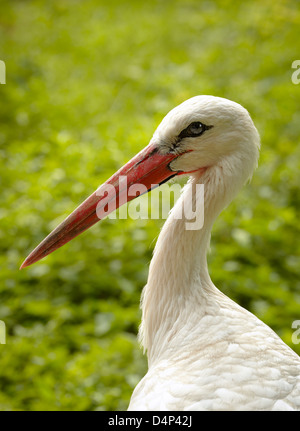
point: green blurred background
(87, 83)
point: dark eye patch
(194, 129)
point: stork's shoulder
(233, 362)
(220, 385)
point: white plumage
(206, 352)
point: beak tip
(24, 264)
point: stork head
(196, 136)
(205, 131)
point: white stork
(205, 352)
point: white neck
(179, 287)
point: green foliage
(86, 85)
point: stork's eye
(194, 129)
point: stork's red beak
(148, 167)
